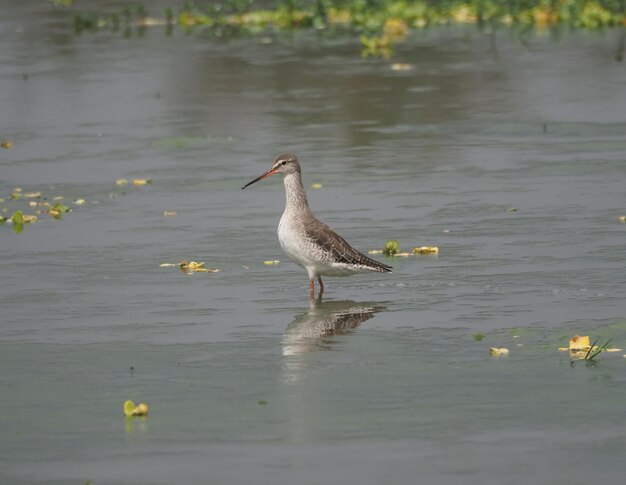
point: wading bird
(308, 241)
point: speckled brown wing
(338, 249)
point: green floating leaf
(18, 217)
(58, 210)
(478, 337)
(129, 407)
(18, 221)
(61, 208)
(391, 247)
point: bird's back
(337, 250)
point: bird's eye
(284, 162)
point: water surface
(507, 152)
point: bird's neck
(295, 194)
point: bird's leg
(312, 289)
(319, 280)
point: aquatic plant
(380, 23)
(391, 247)
(376, 46)
(594, 351)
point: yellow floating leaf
(622, 218)
(578, 347)
(58, 197)
(192, 265)
(6, 144)
(80, 202)
(582, 351)
(544, 17)
(402, 254)
(395, 29)
(170, 213)
(316, 186)
(270, 263)
(464, 13)
(139, 410)
(140, 182)
(426, 250)
(121, 182)
(398, 66)
(196, 267)
(375, 251)
(32, 203)
(578, 343)
(498, 351)
(577, 354)
(150, 22)
(28, 218)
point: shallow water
(383, 381)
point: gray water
(505, 150)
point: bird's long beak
(269, 173)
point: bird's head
(286, 163)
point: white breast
(304, 252)
(293, 241)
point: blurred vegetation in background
(380, 23)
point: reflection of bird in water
(308, 241)
(308, 331)
(305, 344)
